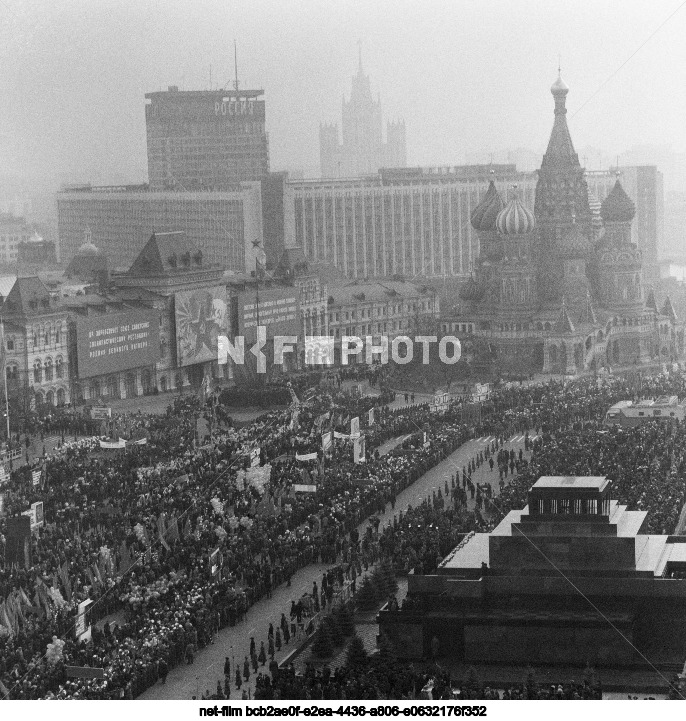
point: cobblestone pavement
(186, 681)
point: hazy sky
(465, 75)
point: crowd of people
(383, 676)
(137, 534)
(183, 538)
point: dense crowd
(137, 533)
(383, 676)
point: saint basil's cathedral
(560, 289)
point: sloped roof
(668, 309)
(165, 253)
(290, 258)
(564, 322)
(28, 295)
(6, 283)
(651, 303)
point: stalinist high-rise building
(363, 150)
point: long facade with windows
(120, 219)
(414, 224)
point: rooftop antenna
(235, 65)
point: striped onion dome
(484, 215)
(515, 219)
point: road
(186, 681)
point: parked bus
(629, 414)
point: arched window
(38, 399)
(10, 343)
(37, 372)
(59, 367)
(12, 374)
(48, 369)
(50, 398)
(60, 396)
(112, 383)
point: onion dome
(618, 206)
(471, 291)
(88, 249)
(559, 87)
(515, 219)
(484, 215)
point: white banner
(370, 417)
(336, 434)
(121, 443)
(359, 450)
(306, 456)
(254, 457)
(354, 427)
(35, 476)
(304, 488)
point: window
(12, 373)
(57, 337)
(10, 344)
(37, 372)
(59, 368)
(48, 369)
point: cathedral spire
(560, 146)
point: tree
(334, 630)
(356, 655)
(367, 597)
(346, 621)
(322, 646)
(387, 572)
(380, 582)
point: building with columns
(559, 288)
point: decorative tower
(561, 201)
(619, 261)
(490, 246)
(515, 225)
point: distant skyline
(467, 77)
